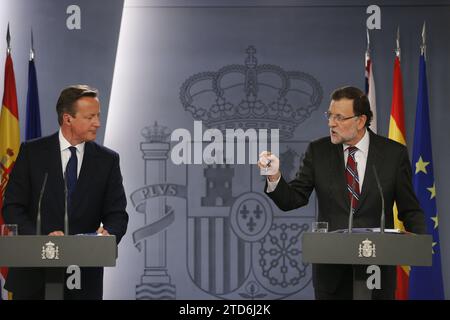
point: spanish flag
(397, 133)
(9, 138)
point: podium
(362, 249)
(56, 253)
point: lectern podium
(366, 248)
(55, 253)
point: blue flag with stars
(425, 282)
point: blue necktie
(71, 172)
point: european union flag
(425, 282)
(33, 124)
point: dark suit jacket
(323, 169)
(99, 197)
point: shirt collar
(64, 144)
(362, 145)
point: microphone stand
(66, 215)
(41, 194)
(383, 215)
(350, 216)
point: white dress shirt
(360, 157)
(65, 153)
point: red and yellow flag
(9, 139)
(397, 133)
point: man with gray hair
(339, 169)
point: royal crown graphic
(252, 96)
(156, 133)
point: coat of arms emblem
(50, 251)
(236, 245)
(367, 249)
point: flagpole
(368, 46)
(8, 41)
(32, 46)
(423, 47)
(397, 40)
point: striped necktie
(351, 173)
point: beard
(337, 138)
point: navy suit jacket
(323, 170)
(99, 197)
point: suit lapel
(54, 168)
(338, 170)
(87, 168)
(374, 157)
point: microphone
(41, 194)
(66, 213)
(382, 199)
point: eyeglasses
(337, 117)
